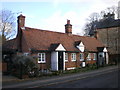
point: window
(41, 58)
(4, 56)
(81, 56)
(26, 54)
(73, 56)
(94, 56)
(89, 57)
(66, 57)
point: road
(106, 80)
(102, 78)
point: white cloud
(111, 2)
(57, 21)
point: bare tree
(96, 17)
(112, 9)
(7, 24)
(91, 20)
(93, 17)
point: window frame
(81, 56)
(66, 57)
(89, 57)
(94, 56)
(73, 56)
(26, 54)
(41, 58)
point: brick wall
(77, 63)
(3, 67)
(110, 38)
(68, 64)
(47, 58)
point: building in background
(107, 31)
(119, 10)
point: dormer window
(81, 47)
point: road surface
(105, 80)
(101, 78)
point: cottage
(55, 50)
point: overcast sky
(53, 14)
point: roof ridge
(53, 31)
(45, 30)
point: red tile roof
(42, 39)
(37, 39)
(10, 44)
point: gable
(81, 47)
(105, 50)
(60, 48)
(81, 44)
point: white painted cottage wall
(54, 61)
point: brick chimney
(21, 25)
(109, 15)
(21, 21)
(68, 28)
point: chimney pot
(68, 21)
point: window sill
(88, 59)
(66, 61)
(81, 59)
(73, 60)
(41, 62)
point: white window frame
(94, 56)
(26, 54)
(73, 56)
(4, 56)
(89, 57)
(66, 57)
(81, 56)
(41, 58)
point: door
(101, 58)
(60, 60)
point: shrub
(25, 65)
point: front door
(60, 60)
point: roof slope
(10, 44)
(104, 23)
(42, 40)
(108, 23)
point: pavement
(43, 81)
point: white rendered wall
(54, 61)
